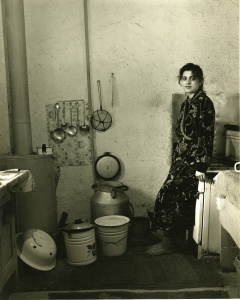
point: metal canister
(109, 198)
(80, 243)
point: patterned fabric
(175, 202)
(74, 150)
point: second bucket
(112, 234)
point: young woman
(175, 202)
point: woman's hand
(200, 176)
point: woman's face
(190, 83)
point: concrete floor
(230, 280)
(231, 284)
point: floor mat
(208, 294)
(133, 270)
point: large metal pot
(109, 198)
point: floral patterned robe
(175, 202)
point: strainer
(101, 119)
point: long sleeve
(203, 153)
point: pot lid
(107, 166)
(77, 226)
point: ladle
(77, 108)
(84, 127)
(71, 130)
(58, 135)
(64, 124)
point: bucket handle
(131, 210)
(121, 188)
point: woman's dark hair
(197, 71)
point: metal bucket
(232, 150)
(112, 234)
(139, 229)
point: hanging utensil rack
(66, 101)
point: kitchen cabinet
(8, 256)
(10, 182)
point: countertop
(16, 181)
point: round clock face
(107, 167)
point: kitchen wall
(143, 43)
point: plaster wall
(143, 43)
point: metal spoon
(64, 124)
(58, 135)
(71, 130)
(84, 127)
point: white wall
(144, 43)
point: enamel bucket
(232, 151)
(112, 234)
(80, 243)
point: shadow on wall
(141, 202)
